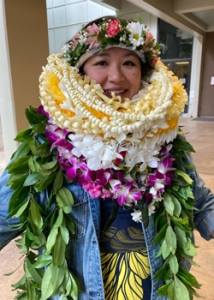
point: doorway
(182, 69)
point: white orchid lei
(107, 170)
(130, 151)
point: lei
(130, 151)
(110, 32)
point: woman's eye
(101, 63)
(129, 63)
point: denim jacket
(86, 263)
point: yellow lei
(78, 104)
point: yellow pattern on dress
(124, 270)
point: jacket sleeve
(6, 232)
(204, 218)
(204, 215)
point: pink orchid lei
(127, 187)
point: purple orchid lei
(125, 186)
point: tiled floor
(201, 135)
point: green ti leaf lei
(34, 169)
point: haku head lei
(110, 32)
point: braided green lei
(34, 169)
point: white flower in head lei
(125, 149)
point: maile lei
(37, 167)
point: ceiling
(198, 12)
(195, 15)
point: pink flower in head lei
(113, 28)
(111, 32)
(92, 39)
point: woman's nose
(116, 74)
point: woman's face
(116, 70)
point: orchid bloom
(75, 40)
(137, 216)
(93, 163)
(92, 39)
(124, 193)
(162, 176)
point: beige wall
(26, 24)
(206, 107)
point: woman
(100, 179)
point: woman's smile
(115, 92)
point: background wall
(26, 23)
(65, 18)
(23, 51)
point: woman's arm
(6, 232)
(204, 201)
(204, 218)
(204, 215)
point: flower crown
(108, 33)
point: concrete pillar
(23, 30)
(195, 83)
